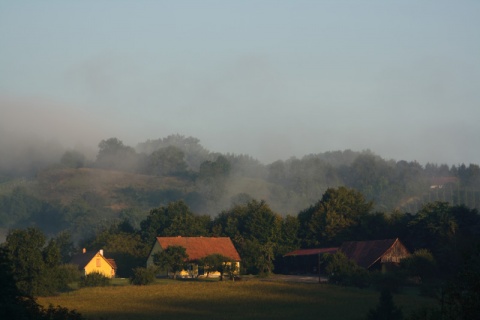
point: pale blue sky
(272, 79)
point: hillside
(66, 185)
(73, 192)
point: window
(99, 262)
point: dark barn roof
(310, 252)
(82, 259)
(367, 253)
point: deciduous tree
(172, 258)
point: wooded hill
(122, 182)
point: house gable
(368, 253)
(95, 262)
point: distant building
(375, 254)
(441, 182)
(305, 261)
(371, 255)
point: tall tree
(25, 252)
(175, 219)
(113, 154)
(255, 230)
(166, 161)
(332, 220)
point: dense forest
(125, 197)
(78, 190)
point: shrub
(343, 271)
(143, 276)
(385, 308)
(59, 313)
(392, 281)
(94, 279)
(67, 274)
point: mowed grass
(252, 299)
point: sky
(271, 79)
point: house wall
(395, 254)
(193, 269)
(100, 264)
(156, 249)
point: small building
(371, 255)
(196, 249)
(95, 261)
(375, 254)
(305, 261)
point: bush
(58, 313)
(143, 276)
(94, 279)
(343, 271)
(67, 274)
(385, 308)
(392, 281)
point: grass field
(252, 299)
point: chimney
(84, 250)
(101, 252)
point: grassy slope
(252, 299)
(63, 185)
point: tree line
(445, 240)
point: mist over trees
(56, 189)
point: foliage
(255, 231)
(392, 280)
(343, 271)
(212, 180)
(332, 219)
(33, 264)
(422, 265)
(58, 313)
(15, 304)
(194, 152)
(166, 161)
(461, 298)
(386, 309)
(175, 219)
(113, 154)
(143, 276)
(94, 279)
(172, 258)
(219, 263)
(73, 159)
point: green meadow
(252, 299)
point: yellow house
(196, 248)
(90, 262)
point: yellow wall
(100, 264)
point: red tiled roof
(309, 252)
(200, 247)
(366, 253)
